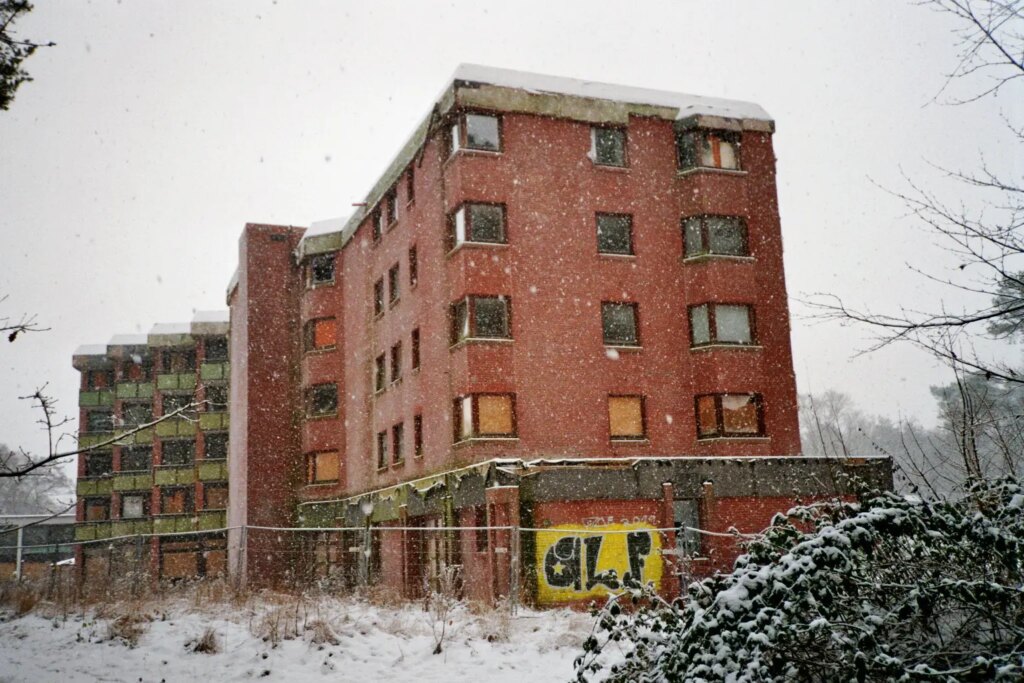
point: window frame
(466, 209)
(216, 437)
(459, 141)
(398, 443)
(705, 236)
(378, 298)
(212, 406)
(206, 492)
(98, 414)
(101, 501)
(173, 443)
(716, 135)
(309, 335)
(390, 203)
(377, 224)
(311, 468)
(144, 497)
(312, 282)
(382, 450)
(417, 435)
(94, 456)
(637, 342)
(414, 274)
(470, 303)
(380, 373)
(623, 130)
(125, 451)
(208, 358)
(189, 502)
(643, 419)
(713, 324)
(106, 383)
(310, 399)
(395, 362)
(414, 344)
(597, 225)
(410, 184)
(457, 413)
(394, 284)
(720, 432)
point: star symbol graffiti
(559, 568)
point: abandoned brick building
(147, 494)
(554, 332)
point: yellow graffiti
(578, 565)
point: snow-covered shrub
(887, 588)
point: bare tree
(12, 327)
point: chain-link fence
(554, 565)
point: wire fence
(555, 565)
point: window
(137, 369)
(378, 224)
(417, 435)
(321, 334)
(177, 453)
(397, 439)
(686, 518)
(478, 223)
(614, 233)
(216, 446)
(135, 414)
(619, 323)
(396, 362)
(720, 324)
(99, 379)
(394, 284)
(136, 459)
(721, 415)
(378, 298)
(99, 421)
(410, 185)
(415, 348)
(708, 149)
(215, 497)
(715, 235)
(176, 501)
(322, 467)
(134, 507)
(321, 399)
(626, 417)
(321, 270)
(216, 398)
(391, 207)
(484, 415)
(414, 274)
(476, 131)
(380, 373)
(172, 402)
(608, 146)
(481, 317)
(216, 349)
(382, 450)
(97, 509)
(98, 464)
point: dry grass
(128, 628)
(207, 644)
(321, 632)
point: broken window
(484, 415)
(715, 235)
(216, 445)
(396, 362)
(414, 274)
(417, 435)
(382, 450)
(394, 284)
(173, 402)
(626, 417)
(177, 453)
(380, 373)
(321, 399)
(137, 459)
(391, 207)
(321, 270)
(378, 297)
(481, 317)
(478, 223)
(475, 131)
(216, 349)
(614, 233)
(217, 397)
(99, 421)
(724, 415)
(98, 464)
(397, 443)
(708, 149)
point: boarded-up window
(739, 414)
(181, 565)
(215, 497)
(321, 333)
(100, 379)
(137, 371)
(495, 415)
(133, 507)
(97, 509)
(175, 501)
(707, 416)
(626, 417)
(216, 562)
(322, 467)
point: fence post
(17, 555)
(513, 589)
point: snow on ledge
(91, 350)
(688, 105)
(221, 316)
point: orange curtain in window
(625, 416)
(325, 333)
(495, 415)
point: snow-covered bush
(887, 588)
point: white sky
(156, 129)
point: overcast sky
(155, 130)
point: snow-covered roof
(127, 340)
(91, 350)
(326, 226)
(221, 316)
(688, 105)
(171, 328)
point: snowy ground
(370, 643)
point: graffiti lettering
(609, 577)
(575, 566)
(562, 563)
